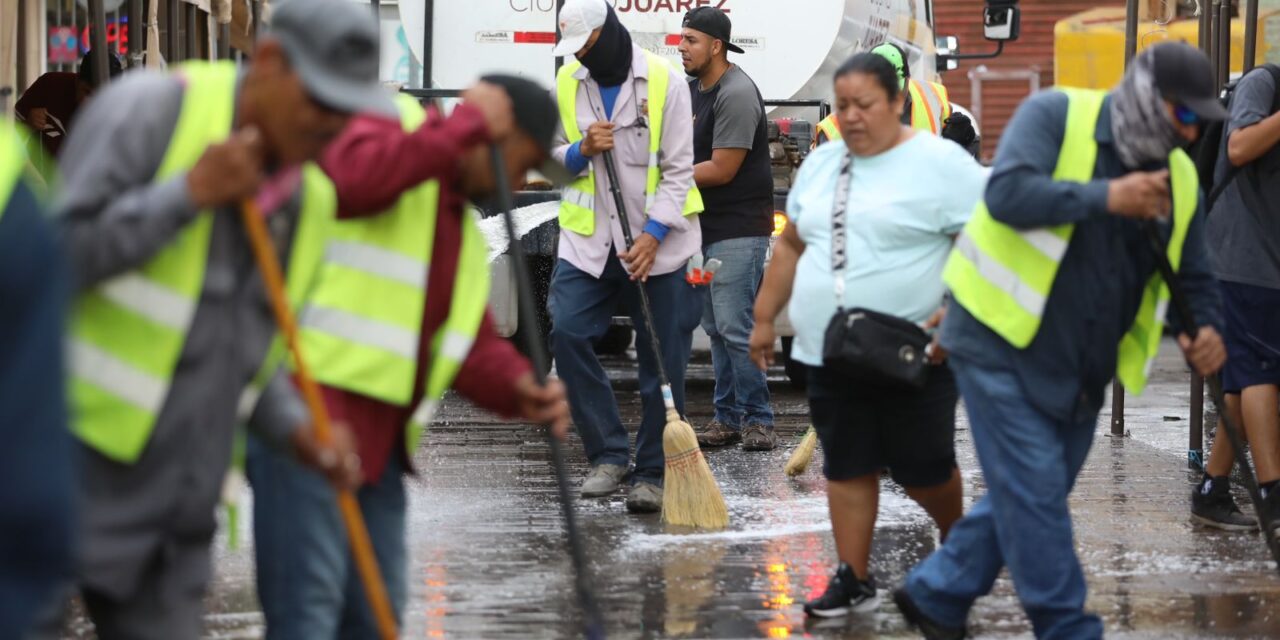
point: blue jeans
(307, 581)
(581, 308)
(742, 391)
(1030, 463)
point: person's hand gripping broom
(264, 254)
(690, 495)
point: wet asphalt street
(489, 558)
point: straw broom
(803, 454)
(690, 496)
(264, 254)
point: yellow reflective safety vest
(12, 163)
(1003, 276)
(930, 108)
(577, 200)
(128, 332)
(362, 321)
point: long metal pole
(1251, 36)
(1195, 446)
(1224, 43)
(174, 54)
(98, 36)
(1182, 307)
(1130, 30)
(193, 32)
(1130, 49)
(1212, 51)
(137, 32)
(1205, 19)
(536, 348)
(224, 41)
(429, 8)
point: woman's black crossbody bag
(861, 343)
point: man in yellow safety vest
(1056, 292)
(171, 320)
(395, 317)
(928, 106)
(616, 98)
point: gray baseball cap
(333, 47)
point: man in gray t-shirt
(731, 168)
(1244, 241)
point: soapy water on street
(526, 219)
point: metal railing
(1215, 42)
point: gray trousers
(168, 603)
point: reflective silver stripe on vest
(248, 402)
(155, 302)
(425, 413)
(455, 345)
(377, 261)
(934, 100)
(1046, 242)
(1000, 276)
(116, 377)
(577, 197)
(363, 331)
(650, 198)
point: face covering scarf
(609, 60)
(1140, 121)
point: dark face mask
(609, 59)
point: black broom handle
(527, 317)
(625, 221)
(1187, 319)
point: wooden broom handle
(264, 254)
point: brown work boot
(757, 437)
(718, 434)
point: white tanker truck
(792, 49)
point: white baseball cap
(578, 18)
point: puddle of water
(765, 519)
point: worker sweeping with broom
(626, 131)
(395, 317)
(171, 320)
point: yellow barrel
(1088, 48)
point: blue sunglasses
(1185, 115)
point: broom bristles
(690, 496)
(803, 454)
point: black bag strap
(1234, 171)
(839, 238)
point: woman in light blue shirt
(909, 194)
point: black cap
(712, 22)
(1184, 76)
(88, 71)
(537, 115)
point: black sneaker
(930, 628)
(845, 593)
(1217, 508)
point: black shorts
(1252, 335)
(865, 428)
